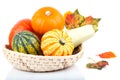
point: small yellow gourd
(56, 43)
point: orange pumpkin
(56, 43)
(47, 18)
(24, 24)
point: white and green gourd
(81, 34)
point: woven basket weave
(33, 63)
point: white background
(106, 39)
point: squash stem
(62, 41)
(47, 13)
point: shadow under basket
(38, 63)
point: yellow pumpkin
(56, 43)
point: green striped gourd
(26, 42)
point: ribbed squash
(24, 24)
(56, 43)
(26, 42)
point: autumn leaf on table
(107, 55)
(101, 63)
(97, 65)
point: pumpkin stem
(47, 13)
(62, 41)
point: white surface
(106, 39)
(66, 74)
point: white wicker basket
(38, 63)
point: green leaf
(95, 27)
(95, 23)
(76, 11)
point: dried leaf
(98, 65)
(108, 54)
(75, 19)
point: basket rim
(40, 56)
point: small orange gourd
(56, 43)
(47, 18)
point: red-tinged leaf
(98, 65)
(108, 54)
(88, 20)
